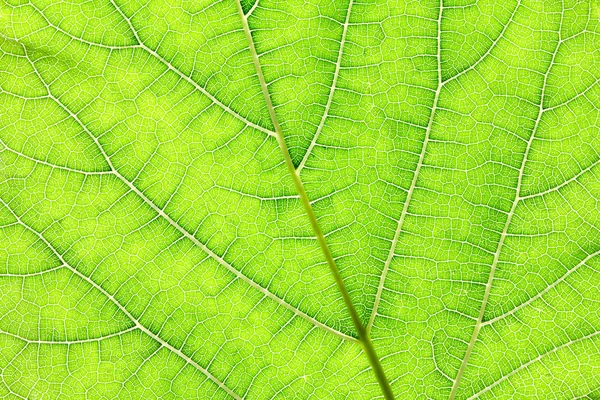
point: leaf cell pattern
(153, 245)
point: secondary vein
(121, 307)
(336, 74)
(185, 77)
(503, 235)
(181, 229)
(413, 183)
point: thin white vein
(413, 183)
(187, 234)
(577, 96)
(229, 267)
(139, 368)
(11, 391)
(362, 334)
(332, 90)
(112, 299)
(488, 52)
(78, 39)
(251, 10)
(153, 53)
(565, 183)
(254, 196)
(2, 376)
(437, 368)
(70, 342)
(532, 361)
(46, 163)
(30, 274)
(187, 78)
(504, 234)
(206, 93)
(8, 364)
(543, 292)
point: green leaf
(299, 199)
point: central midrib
(363, 335)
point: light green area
(153, 245)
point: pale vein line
(188, 235)
(113, 300)
(336, 74)
(565, 183)
(46, 163)
(20, 96)
(8, 364)
(574, 98)
(205, 92)
(532, 361)
(154, 54)
(363, 335)
(4, 380)
(229, 267)
(28, 275)
(187, 78)
(255, 196)
(137, 370)
(413, 183)
(543, 292)
(251, 10)
(489, 51)
(69, 342)
(503, 235)
(73, 37)
(12, 391)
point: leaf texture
(153, 244)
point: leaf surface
(444, 153)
